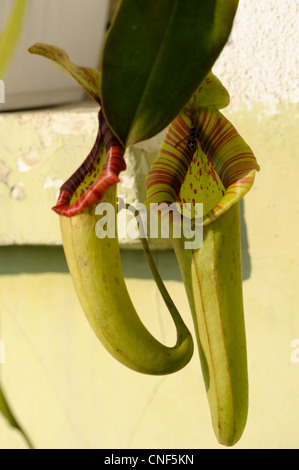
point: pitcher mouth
(98, 172)
(217, 173)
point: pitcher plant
(156, 72)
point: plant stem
(156, 275)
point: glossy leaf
(88, 78)
(155, 56)
(10, 34)
(8, 414)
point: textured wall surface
(65, 388)
(259, 64)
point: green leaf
(10, 34)
(8, 414)
(88, 78)
(155, 56)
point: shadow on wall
(41, 259)
(19, 259)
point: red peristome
(115, 163)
